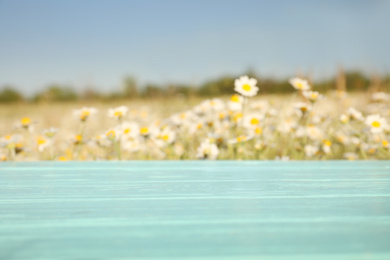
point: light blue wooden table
(195, 210)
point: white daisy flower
(380, 97)
(207, 150)
(131, 145)
(287, 126)
(253, 120)
(354, 114)
(130, 130)
(326, 146)
(113, 134)
(50, 132)
(149, 131)
(299, 84)
(350, 156)
(313, 132)
(311, 150)
(302, 108)
(3, 157)
(282, 158)
(235, 102)
(376, 123)
(42, 143)
(84, 113)
(216, 104)
(344, 118)
(246, 86)
(101, 140)
(167, 135)
(259, 105)
(313, 96)
(118, 112)
(240, 139)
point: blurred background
(105, 50)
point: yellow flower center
(199, 126)
(246, 87)
(255, 121)
(314, 95)
(235, 98)
(237, 117)
(62, 158)
(376, 124)
(241, 138)
(165, 137)
(84, 115)
(41, 141)
(118, 114)
(183, 116)
(144, 130)
(110, 134)
(25, 121)
(385, 143)
(126, 131)
(8, 137)
(258, 130)
(327, 143)
(78, 138)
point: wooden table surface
(195, 210)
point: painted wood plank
(195, 210)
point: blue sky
(98, 43)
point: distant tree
(153, 91)
(130, 89)
(57, 93)
(9, 94)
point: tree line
(350, 81)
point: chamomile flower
(376, 123)
(302, 108)
(299, 84)
(113, 134)
(207, 150)
(344, 118)
(167, 135)
(354, 114)
(240, 139)
(130, 130)
(118, 112)
(314, 132)
(131, 145)
(380, 97)
(235, 102)
(246, 86)
(77, 139)
(25, 122)
(84, 113)
(216, 104)
(253, 120)
(149, 131)
(42, 143)
(350, 156)
(3, 157)
(311, 150)
(313, 96)
(50, 132)
(326, 146)
(102, 141)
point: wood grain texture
(195, 210)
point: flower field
(306, 125)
